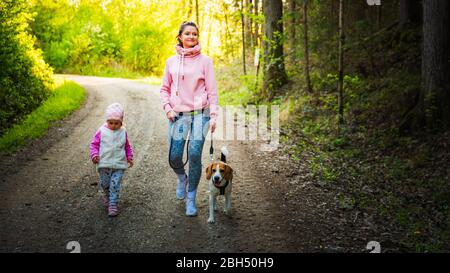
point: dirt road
(50, 196)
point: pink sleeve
(164, 93)
(95, 145)
(211, 89)
(128, 149)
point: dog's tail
(223, 154)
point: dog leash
(187, 147)
(211, 149)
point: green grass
(66, 98)
(104, 70)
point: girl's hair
(182, 27)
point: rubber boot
(191, 208)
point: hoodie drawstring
(177, 84)
(182, 66)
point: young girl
(189, 99)
(112, 153)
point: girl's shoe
(181, 188)
(113, 210)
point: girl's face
(114, 124)
(189, 37)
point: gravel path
(49, 192)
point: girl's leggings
(196, 126)
(110, 181)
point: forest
(363, 86)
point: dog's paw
(211, 220)
(227, 211)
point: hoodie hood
(188, 52)
(182, 54)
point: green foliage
(241, 89)
(373, 167)
(64, 99)
(25, 80)
(105, 37)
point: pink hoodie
(189, 82)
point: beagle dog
(221, 175)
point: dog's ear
(209, 172)
(228, 174)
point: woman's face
(189, 37)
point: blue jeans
(196, 127)
(110, 181)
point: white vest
(112, 148)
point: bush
(25, 79)
(65, 98)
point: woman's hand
(212, 126)
(130, 163)
(171, 115)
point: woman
(189, 99)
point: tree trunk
(292, 26)
(274, 72)
(243, 37)
(341, 64)
(331, 9)
(331, 27)
(256, 29)
(189, 13)
(196, 13)
(435, 95)
(379, 17)
(248, 23)
(257, 39)
(306, 45)
(409, 12)
(227, 28)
